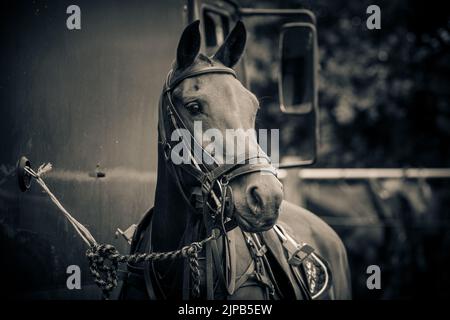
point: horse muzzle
(257, 205)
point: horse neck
(172, 214)
(170, 220)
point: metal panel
(84, 100)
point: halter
(215, 197)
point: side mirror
(297, 83)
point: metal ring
(23, 177)
(224, 181)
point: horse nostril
(264, 199)
(255, 200)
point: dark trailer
(86, 101)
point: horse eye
(193, 107)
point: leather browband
(173, 82)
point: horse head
(204, 90)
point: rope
(79, 228)
(104, 259)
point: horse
(258, 245)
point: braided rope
(104, 261)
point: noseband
(215, 198)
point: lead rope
(104, 259)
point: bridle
(215, 199)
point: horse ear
(189, 45)
(232, 48)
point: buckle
(261, 251)
(296, 259)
